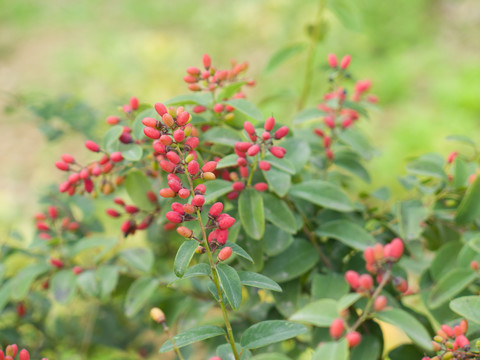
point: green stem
(175, 348)
(252, 170)
(216, 279)
(307, 83)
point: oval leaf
(137, 186)
(63, 286)
(184, 256)
(450, 285)
(469, 208)
(332, 350)
(320, 313)
(278, 213)
(270, 332)
(246, 108)
(252, 216)
(215, 189)
(139, 293)
(231, 284)
(283, 55)
(347, 232)
(322, 193)
(192, 336)
(260, 281)
(138, 258)
(467, 306)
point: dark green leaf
(238, 250)
(227, 161)
(283, 55)
(225, 352)
(347, 232)
(246, 108)
(260, 281)
(319, 313)
(353, 166)
(368, 349)
(410, 214)
(460, 176)
(276, 240)
(322, 193)
(252, 216)
(215, 189)
(6, 289)
(139, 293)
(131, 152)
(409, 324)
(469, 208)
(230, 284)
(63, 286)
(184, 256)
(450, 285)
(278, 213)
(407, 351)
(192, 336)
(300, 257)
(137, 186)
(270, 332)
(332, 286)
(468, 307)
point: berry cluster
(451, 343)
(11, 352)
(337, 328)
(50, 224)
(137, 219)
(338, 116)
(129, 111)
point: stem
(252, 170)
(216, 280)
(366, 312)
(307, 84)
(177, 350)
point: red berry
(112, 120)
(149, 122)
(462, 342)
(238, 186)
(131, 209)
(177, 207)
(396, 248)
(174, 217)
(24, 355)
(207, 62)
(282, 132)
(183, 118)
(336, 328)
(278, 151)
(266, 136)
(184, 193)
(261, 186)
(192, 142)
(189, 79)
(202, 189)
(352, 278)
(332, 60)
(11, 350)
(380, 303)
(62, 165)
(218, 108)
(166, 193)
(52, 212)
(199, 109)
(198, 200)
(264, 165)
(42, 226)
(152, 133)
(353, 338)
(225, 221)
(160, 109)
(365, 281)
(166, 140)
(68, 158)
(269, 124)
(448, 330)
(368, 255)
(209, 166)
(179, 135)
(253, 150)
(173, 157)
(193, 167)
(77, 270)
(116, 156)
(241, 162)
(225, 253)
(167, 166)
(222, 236)
(327, 141)
(474, 265)
(329, 121)
(463, 326)
(243, 146)
(92, 146)
(193, 71)
(185, 232)
(248, 126)
(112, 212)
(345, 61)
(452, 156)
(56, 263)
(216, 209)
(134, 103)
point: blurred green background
(423, 57)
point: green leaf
(460, 176)
(92, 242)
(407, 351)
(409, 324)
(225, 352)
(297, 259)
(462, 139)
(320, 313)
(352, 165)
(192, 336)
(410, 214)
(450, 285)
(276, 240)
(278, 213)
(139, 293)
(107, 278)
(426, 166)
(6, 289)
(24, 279)
(322, 193)
(230, 284)
(468, 307)
(227, 161)
(110, 139)
(357, 142)
(246, 108)
(347, 232)
(238, 250)
(197, 270)
(131, 152)
(332, 286)
(347, 300)
(332, 350)
(281, 164)
(298, 152)
(368, 349)
(184, 256)
(283, 55)
(252, 216)
(63, 286)
(215, 189)
(137, 186)
(199, 98)
(139, 258)
(270, 332)
(271, 356)
(445, 259)
(469, 208)
(87, 282)
(223, 135)
(347, 12)
(308, 116)
(260, 281)
(278, 181)
(228, 91)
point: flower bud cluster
(50, 223)
(11, 352)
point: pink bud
(193, 167)
(116, 156)
(336, 328)
(253, 150)
(201, 189)
(198, 200)
(174, 217)
(150, 122)
(269, 124)
(134, 103)
(173, 157)
(345, 61)
(207, 62)
(264, 165)
(62, 165)
(261, 186)
(353, 339)
(247, 125)
(152, 133)
(282, 132)
(332, 60)
(183, 118)
(225, 221)
(160, 109)
(352, 278)
(452, 157)
(209, 166)
(218, 108)
(112, 212)
(92, 146)
(225, 253)
(179, 135)
(216, 209)
(68, 158)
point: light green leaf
(298, 152)
(139, 293)
(332, 350)
(450, 285)
(24, 279)
(468, 307)
(270, 332)
(87, 282)
(63, 286)
(246, 108)
(199, 98)
(215, 189)
(308, 116)
(347, 232)
(138, 258)
(260, 281)
(320, 313)
(278, 181)
(278, 213)
(469, 208)
(283, 55)
(276, 240)
(184, 256)
(347, 12)
(322, 193)
(223, 135)
(137, 186)
(192, 336)
(131, 152)
(107, 278)
(238, 250)
(227, 161)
